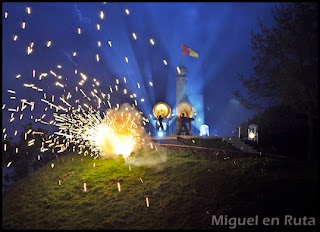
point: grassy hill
(183, 193)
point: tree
(276, 133)
(285, 59)
(21, 156)
(31, 152)
(7, 151)
(24, 156)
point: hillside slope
(183, 193)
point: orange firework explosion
(120, 132)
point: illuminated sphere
(162, 109)
(186, 108)
(251, 135)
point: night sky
(218, 32)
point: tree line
(283, 84)
(22, 158)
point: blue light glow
(160, 134)
(204, 130)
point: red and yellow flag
(188, 51)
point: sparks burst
(86, 125)
(119, 131)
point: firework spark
(120, 132)
(93, 122)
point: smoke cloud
(122, 132)
(147, 157)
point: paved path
(167, 140)
(171, 141)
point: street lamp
(251, 135)
(253, 132)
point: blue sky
(218, 32)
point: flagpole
(181, 61)
(180, 55)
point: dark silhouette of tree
(21, 160)
(7, 151)
(276, 132)
(285, 68)
(25, 160)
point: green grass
(183, 192)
